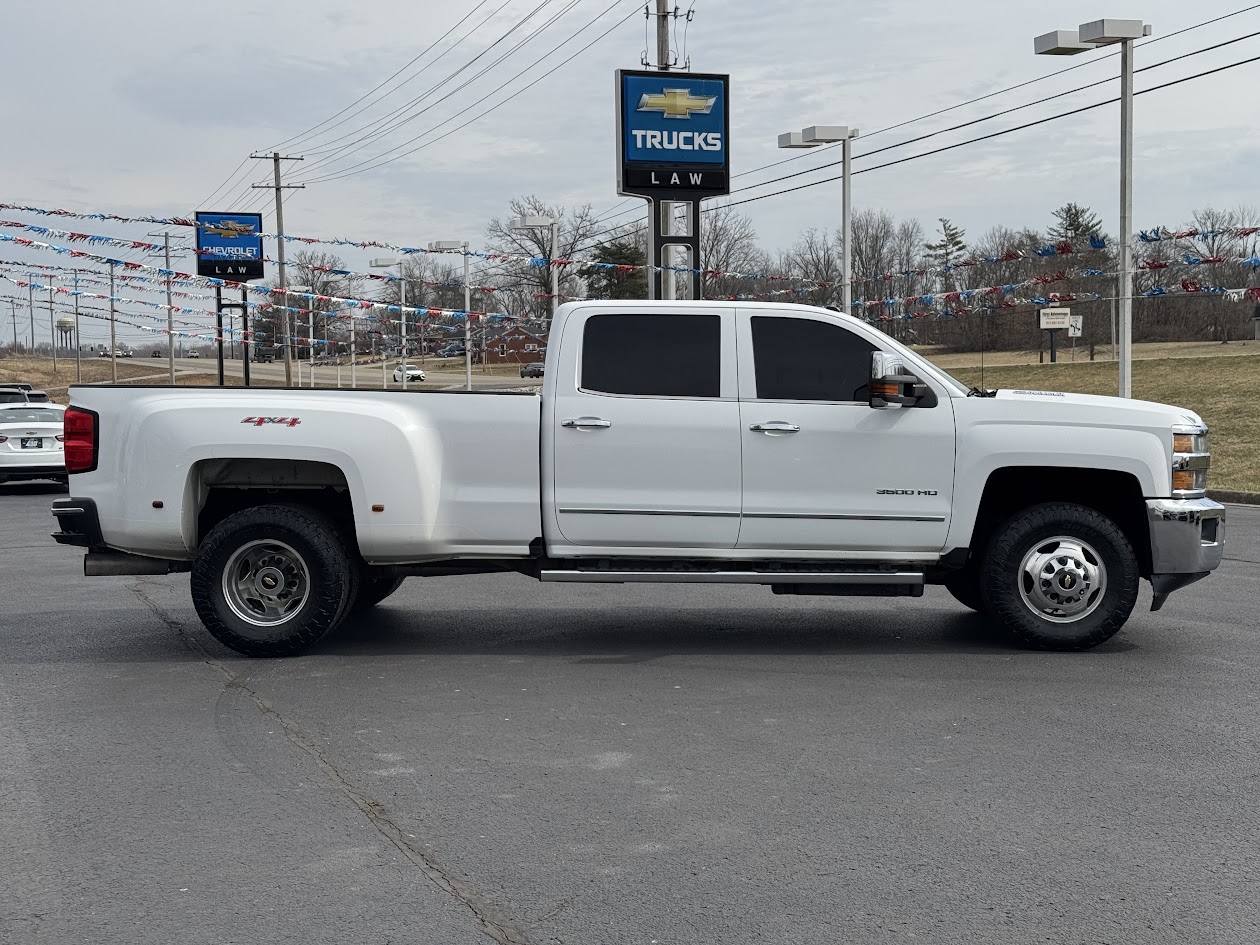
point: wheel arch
(1110, 492)
(219, 487)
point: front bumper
(1187, 542)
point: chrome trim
(62, 510)
(1191, 461)
(1177, 526)
(840, 516)
(732, 577)
(693, 512)
(582, 423)
(775, 426)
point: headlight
(1190, 461)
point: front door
(823, 471)
(645, 430)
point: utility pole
(13, 315)
(662, 35)
(666, 207)
(276, 157)
(113, 346)
(52, 324)
(78, 340)
(30, 306)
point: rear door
(646, 439)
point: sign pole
(218, 324)
(245, 334)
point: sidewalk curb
(1237, 498)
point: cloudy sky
(146, 107)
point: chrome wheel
(266, 582)
(1062, 579)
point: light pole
(52, 326)
(1069, 43)
(812, 137)
(285, 322)
(384, 262)
(462, 246)
(533, 222)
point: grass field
(39, 372)
(1216, 388)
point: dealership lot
(489, 759)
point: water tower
(65, 332)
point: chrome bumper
(1187, 542)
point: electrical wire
(379, 126)
(344, 151)
(361, 168)
(292, 141)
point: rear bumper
(34, 471)
(77, 523)
(1187, 542)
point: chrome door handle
(586, 423)
(775, 426)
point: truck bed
(452, 475)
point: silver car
(32, 442)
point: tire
(297, 547)
(1087, 577)
(964, 584)
(375, 584)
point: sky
(141, 107)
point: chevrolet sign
(673, 129)
(229, 246)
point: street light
(1069, 43)
(533, 222)
(462, 246)
(384, 262)
(812, 137)
(287, 322)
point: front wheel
(272, 580)
(1060, 576)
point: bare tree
(525, 286)
(728, 243)
(815, 258)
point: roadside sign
(1052, 318)
(229, 245)
(1075, 324)
(673, 131)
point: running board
(733, 577)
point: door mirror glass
(892, 384)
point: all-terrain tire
(1060, 553)
(375, 584)
(272, 580)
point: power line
(388, 121)
(391, 124)
(288, 142)
(350, 171)
(995, 134)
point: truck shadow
(640, 635)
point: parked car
(37, 397)
(194, 354)
(451, 351)
(32, 442)
(12, 395)
(758, 443)
(155, 353)
(103, 353)
(533, 369)
(413, 373)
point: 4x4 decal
(284, 421)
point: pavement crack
(493, 921)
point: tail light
(61, 437)
(82, 445)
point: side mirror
(892, 385)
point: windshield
(31, 415)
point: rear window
(653, 355)
(33, 415)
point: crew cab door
(822, 470)
(645, 434)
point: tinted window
(655, 355)
(801, 359)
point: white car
(32, 442)
(413, 373)
(194, 354)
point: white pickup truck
(744, 443)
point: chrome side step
(732, 577)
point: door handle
(586, 423)
(775, 426)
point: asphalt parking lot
(488, 759)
